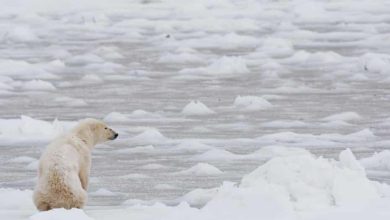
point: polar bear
(65, 165)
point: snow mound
(23, 69)
(61, 214)
(91, 78)
(140, 149)
(33, 165)
(21, 34)
(196, 108)
(225, 66)
(181, 58)
(103, 192)
(216, 154)
(277, 47)
(193, 145)
(201, 169)
(139, 113)
(199, 197)
(22, 159)
(162, 186)
(84, 59)
(375, 63)
(284, 124)
(14, 199)
(150, 135)
(38, 85)
(251, 103)
(304, 58)
(343, 116)
(134, 176)
(108, 52)
(115, 117)
(378, 161)
(69, 101)
(153, 166)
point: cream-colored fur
(65, 165)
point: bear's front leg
(84, 180)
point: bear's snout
(114, 136)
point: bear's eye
(105, 128)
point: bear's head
(95, 131)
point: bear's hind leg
(43, 206)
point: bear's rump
(65, 190)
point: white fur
(65, 165)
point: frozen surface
(201, 93)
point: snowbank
(286, 187)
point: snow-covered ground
(226, 109)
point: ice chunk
(91, 78)
(115, 117)
(150, 135)
(343, 116)
(277, 47)
(68, 101)
(251, 103)
(375, 63)
(21, 34)
(199, 197)
(196, 108)
(103, 192)
(378, 161)
(225, 66)
(32, 129)
(39, 85)
(22, 159)
(201, 169)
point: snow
(277, 47)
(150, 135)
(69, 101)
(22, 159)
(378, 161)
(103, 192)
(61, 214)
(281, 188)
(201, 169)
(91, 78)
(251, 103)
(292, 93)
(343, 116)
(224, 66)
(115, 117)
(196, 108)
(38, 85)
(27, 128)
(21, 34)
